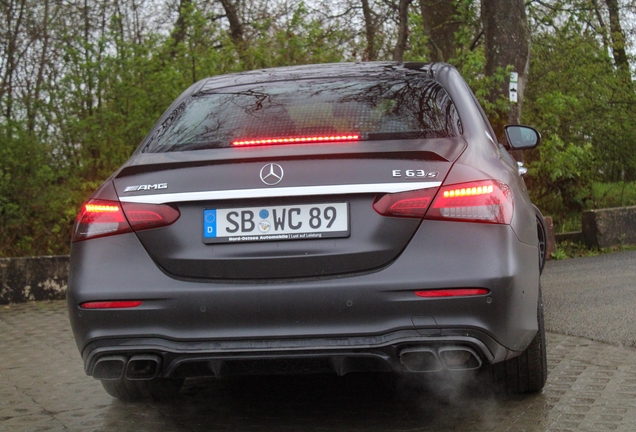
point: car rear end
(343, 218)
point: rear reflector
(122, 304)
(99, 218)
(297, 140)
(405, 204)
(488, 201)
(452, 292)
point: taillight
(405, 204)
(297, 140)
(147, 216)
(99, 218)
(488, 201)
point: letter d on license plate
(275, 223)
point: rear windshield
(400, 108)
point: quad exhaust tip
(139, 367)
(459, 358)
(424, 359)
(143, 367)
(109, 368)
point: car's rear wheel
(132, 390)
(542, 233)
(527, 372)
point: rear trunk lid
(275, 173)
(259, 213)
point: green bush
(608, 195)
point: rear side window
(400, 108)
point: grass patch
(608, 195)
(565, 250)
(603, 195)
(570, 224)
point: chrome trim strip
(279, 192)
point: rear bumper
(395, 352)
(339, 320)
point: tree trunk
(88, 102)
(14, 32)
(507, 43)
(370, 26)
(601, 24)
(137, 26)
(236, 28)
(440, 23)
(39, 82)
(618, 39)
(403, 30)
(179, 32)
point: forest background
(82, 81)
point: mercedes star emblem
(272, 174)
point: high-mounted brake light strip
(297, 140)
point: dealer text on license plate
(274, 223)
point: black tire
(526, 373)
(542, 233)
(134, 390)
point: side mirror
(522, 137)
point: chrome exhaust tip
(420, 360)
(109, 368)
(459, 358)
(143, 367)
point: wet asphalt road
(591, 384)
(593, 297)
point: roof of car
(368, 69)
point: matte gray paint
(369, 310)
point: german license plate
(276, 223)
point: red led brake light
(488, 201)
(297, 140)
(452, 292)
(100, 218)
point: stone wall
(38, 278)
(609, 227)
